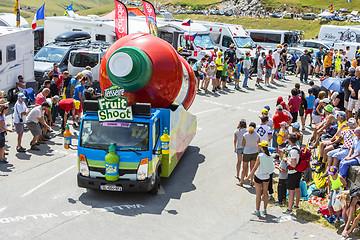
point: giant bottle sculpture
(149, 70)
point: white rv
(16, 57)
(9, 20)
(354, 48)
(269, 38)
(225, 34)
(100, 29)
(332, 33)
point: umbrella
(333, 84)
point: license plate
(111, 188)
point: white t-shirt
(239, 134)
(264, 132)
(294, 154)
(19, 108)
(34, 114)
(251, 145)
(22, 89)
(276, 57)
(260, 62)
(265, 168)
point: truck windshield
(204, 41)
(83, 59)
(244, 42)
(126, 135)
(50, 54)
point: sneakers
(278, 204)
(287, 211)
(264, 212)
(256, 213)
(4, 161)
(35, 148)
(20, 149)
(46, 137)
(331, 219)
(295, 207)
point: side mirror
(156, 152)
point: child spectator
(282, 136)
(237, 74)
(299, 135)
(335, 185)
(282, 186)
(265, 113)
(310, 106)
(264, 131)
(224, 74)
(238, 138)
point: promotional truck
(139, 130)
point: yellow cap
(279, 45)
(219, 53)
(77, 104)
(180, 48)
(359, 51)
(80, 74)
(264, 143)
(265, 111)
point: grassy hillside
(311, 28)
(311, 4)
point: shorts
(327, 71)
(223, 78)
(316, 118)
(294, 181)
(34, 128)
(2, 139)
(196, 74)
(249, 157)
(340, 153)
(295, 116)
(259, 73)
(308, 111)
(353, 104)
(301, 111)
(218, 74)
(236, 75)
(298, 63)
(268, 73)
(239, 150)
(258, 180)
(318, 64)
(336, 145)
(19, 127)
(273, 71)
(78, 111)
(201, 76)
(346, 104)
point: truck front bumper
(126, 185)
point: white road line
(257, 101)
(47, 181)
(210, 110)
(3, 209)
(161, 190)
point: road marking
(210, 110)
(257, 101)
(161, 190)
(47, 181)
(3, 209)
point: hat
(77, 104)
(279, 46)
(280, 99)
(21, 95)
(264, 143)
(325, 100)
(216, 48)
(352, 70)
(332, 170)
(283, 104)
(232, 45)
(212, 64)
(329, 108)
(283, 124)
(265, 111)
(55, 65)
(267, 107)
(351, 120)
(80, 74)
(279, 107)
(219, 53)
(180, 48)
(279, 49)
(296, 125)
(340, 114)
(311, 49)
(259, 47)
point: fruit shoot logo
(113, 107)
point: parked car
(309, 16)
(316, 44)
(276, 15)
(338, 18)
(228, 13)
(288, 16)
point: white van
(225, 34)
(269, 38)
(16, 58)
(333, 33)
(354, 48)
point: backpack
(304, 161)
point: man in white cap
(20, 111)
(274, 71)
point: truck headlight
(142, 172)
(83, 166)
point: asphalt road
(40, 198)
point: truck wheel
(156, 186)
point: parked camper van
(225, 34)
(269, 38)
(354, 48)
(9, 20)
(16, 57)
(333, 33)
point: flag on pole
(189, 37)
(121, 19)
(186, 22)
(40, 14)
(69, 8)
(17, 13)
(331, 8)
(149, 11)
